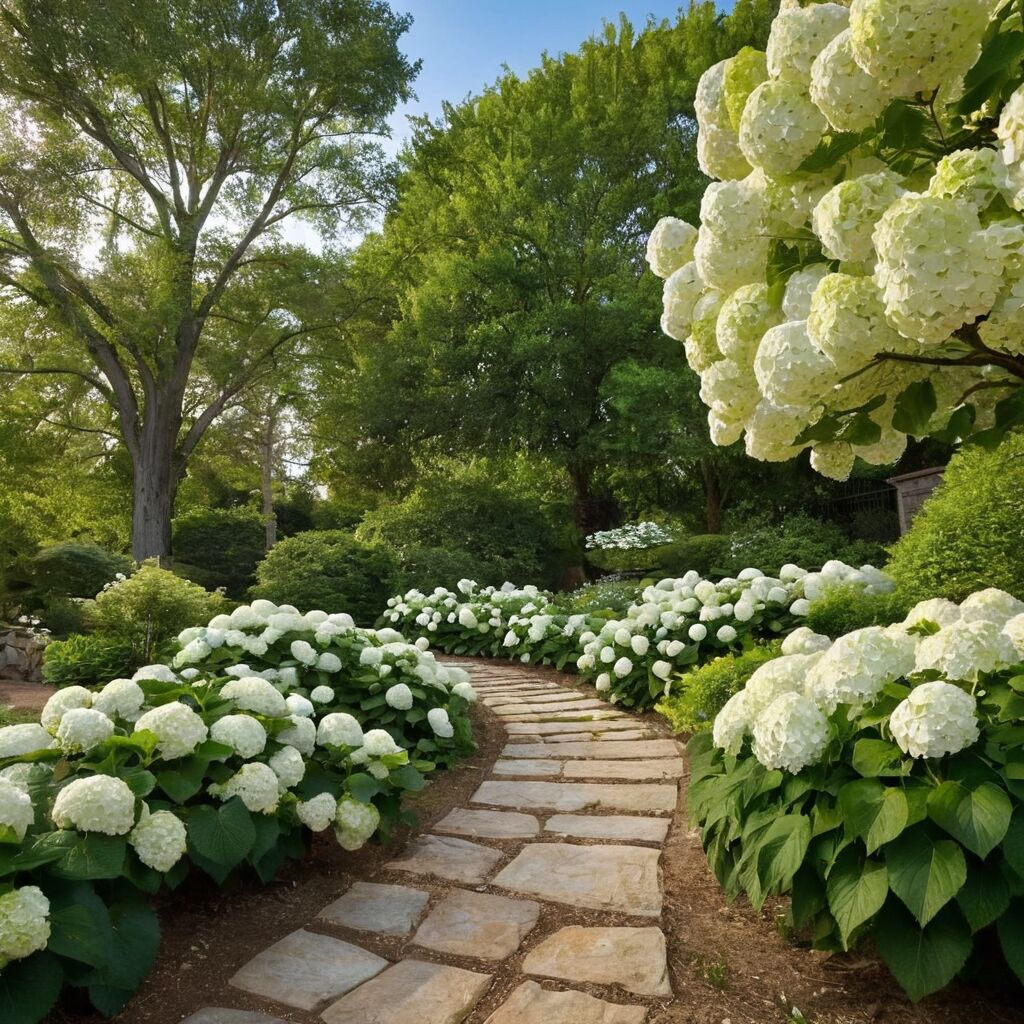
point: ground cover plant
(876, 781)
(210, 763)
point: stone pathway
(537, 904)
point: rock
(477, 924)
(559, 728)
(412, 992)
(457, 859)
(663, 768)
(644, 797)
(527, 766)
(622, 879)
(609, 826)
(222, 1015)
(530, 1004)
(597, 748)
(464, 821)
(384, 909)
(538, 708)
(632, 958)
(304, 969)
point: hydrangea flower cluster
(634, 537)
(895, 260)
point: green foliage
(967, 534)
(150, 608)
(426, 568)
(507, 533)
(700, 694)
(842, 608)
(73, 569)
(609, 596)
(327, 569)
(703, 552)
(86, 659)
(220, 547)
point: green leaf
(978, 817)
(93, 855)
(878, 758)
(984, 896)
(856, 891)
(364, 787)
(1013, 842)
(139, 781)
(859, 428)
(184, 781)
(925, 873)
(29, 988)
(781, 852)
(914, 408)
(830, 150)
(923, 960)
(875, 813)
(80, 925)
(136, 941)
(223, 835)
(1011, 937)
(408, 778)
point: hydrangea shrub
(876, 780)
(857, 277)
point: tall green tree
(151, 155)
(510, 271)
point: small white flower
(24, 923)
(159, 840)
(60, 703)
(328, 662)
(317, 813)
(399, 697)
(255, 784)
(697, 632)
(299, 705)
(289, 767)
(321, 695)
(354, 823)
(339, 729)
(791, 733)
(16, 811)
(440, 723)
(303, 652)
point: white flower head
(780, 127)
(317, 813)
(120, 698)
(242, 732)
(963, 649)
(255, 694)
(82, 729)
(731, 724)
(255, 783)
(61, 702)
(178, 729)
(16, 811)
(936, 719)
(670, 245)
(339, 729)
(354, 823)
(791, 733)
(289, 767)
(856, 667)
(321, 695)
(96, 803)
(24, 923)
(159, 840)
(399, 697)
(440, 723)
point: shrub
(88, 659)
(327, 569)
(967, 534)
(427, 568)
(472, 516)
(703, 691)
(797, 539)
(219, 547)
(150, 608)
(843, 608)
(611, 596)
(877, 783)
(63, 616)
(73, 569)
(703, 552)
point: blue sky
(464, 43)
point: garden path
(539, 903)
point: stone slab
(527, 766)
(222, 1015)
(580, 715)
(632, 958)
(622, 879)
(540, 708)
(554, 697)
(384, 909)
(304, 970)
(636, 771)
(557, 728)
(609, 826)
(466, 821)
(642, 797)
(597, 748)
(456, 859)
(582, 737)
(531, 1004)
(412, 992)
(477, 924)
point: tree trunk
(712, 497)
(267, 478)
(590, 514)
(156, 473)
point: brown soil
(729, 964)
(25, 696)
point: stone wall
(21, 653)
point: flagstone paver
(446, 857)
(412, 992)
(384, 909)
(632, 958)
(477, 924)
(623, 879)
(607, 786)
(305, 969)
(531, 1004)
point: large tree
(151, 154)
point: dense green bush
(702, 552)
(968, 533)
(700, 694)
(472, 516)
(63, 616)
(219, 547)
(328, 569)
(150, 608)
(427, 568)
(844, 608)
(73, 569)
(614, 596)
(88, 659)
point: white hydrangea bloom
(622, 667)
(465, 691)
(255, 784)
(790, 370)
(303, 652)
(842, 90)
(193, 653)
(255, 694)
(936, 609)
(178, 729)
(63, 701)
(791, 733)
(96, 803)
(856, 667)
(780, 127)
(798, 35)
(354, 823)
(731, 724)
(992, 604)
(1010, 130)
(744, 317)
(24, 738)
(289, 767)
(328, 662)
(321, 695)
(732, 245)
(24, 773)
(744, 72)
(725, 388)
(977, 176)
(772, 430)
(701, 347)
(796, 301)
(241, 732)
(1014, 632)
(339, 729)
(159, 840)
(16, 811)
(440, 723)
(317, 813)
(299, 705)
(679, 297)
(936, 719)
(718, 150)
(158, 673)
(301, 734)
(120, 698)
(379, 743)
(803, 640)
(963, 649)
(82, 729)
(670, 245)
(771, 680)
(399, 697)
(845, 217)
(24, 923)
(697, 632)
